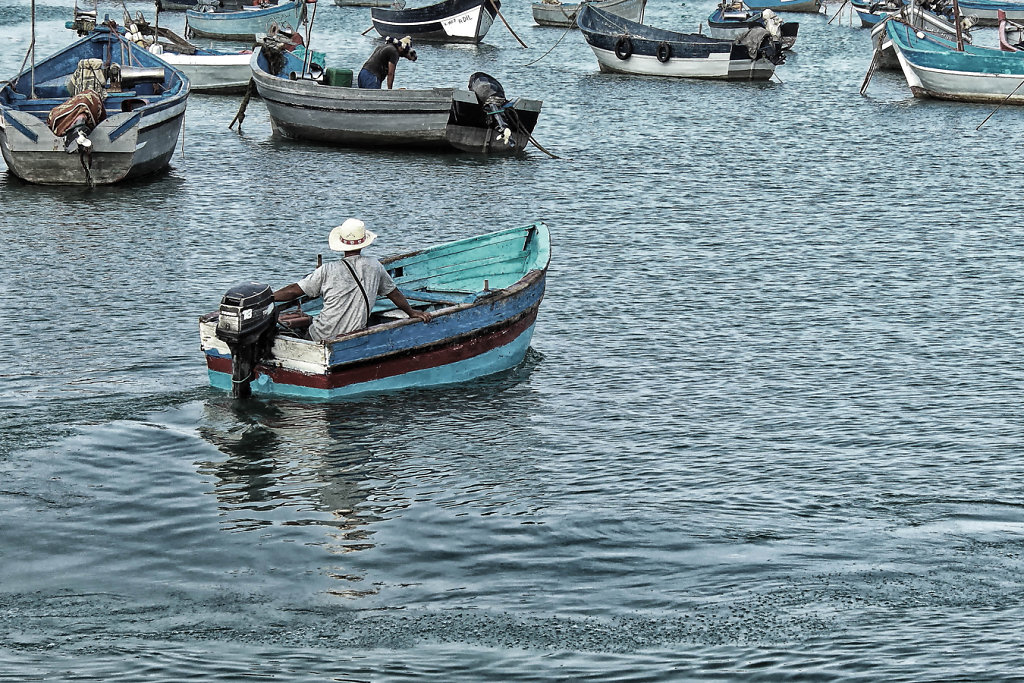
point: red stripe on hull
(390, 366)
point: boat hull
(489, 331)
(441, 119)
(563, 15)
(933, 67)
(625, 47)
(245, 24)
(451, 21)
(718, 66)
(218, 74)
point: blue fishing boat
(871, 12)
(813, 6)
(483, 293)
(732, 18)
(207, 21)
(623, 46)
(100, 111)
(941, 68)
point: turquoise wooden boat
(243, 24)
(935, 67)
(483, 292)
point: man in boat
(381, 64)
(349, 287)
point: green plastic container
(341, 78)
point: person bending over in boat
(346, 285)
(381, 64)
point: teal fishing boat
(483, 292)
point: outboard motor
(247, 323)
(491, 97)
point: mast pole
(959, 28)
(32, 49)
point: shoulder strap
(366, 299)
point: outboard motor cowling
(247, 323)
(491, 97)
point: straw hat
(350, 236)
(406, 43)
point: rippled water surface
(770, 427)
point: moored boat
(208, 70)
(938, 67)
(483, 293)
(100, 111)
(623, 46)
(732, 18)
(563, 14)
(449, 21)
(870, 12)
(208, 21)
(919, 18)
(395, 4)
(475, 119)
(812, 6)
(986, 12)
(1005, 28)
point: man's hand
(422, 315)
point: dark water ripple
(769, 429)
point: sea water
(770, 427)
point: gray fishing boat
(307, 104)
(100, 111)
(563, 14)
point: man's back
(345, 309)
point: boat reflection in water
(328, 475)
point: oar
(366, 31)
(240, 116)
(498, 12)
(871, 70)
(838, 12)
(999, 105)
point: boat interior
(452, 274)
(130, 83)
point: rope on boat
(529, 136)
(240, 116)
(572, 25)
(838, 11)
(13, 82)
(1000, 104)
(504, 21)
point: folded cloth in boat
(753, 39)
(64, 115)
(88, 76)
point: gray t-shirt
(344, 309)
